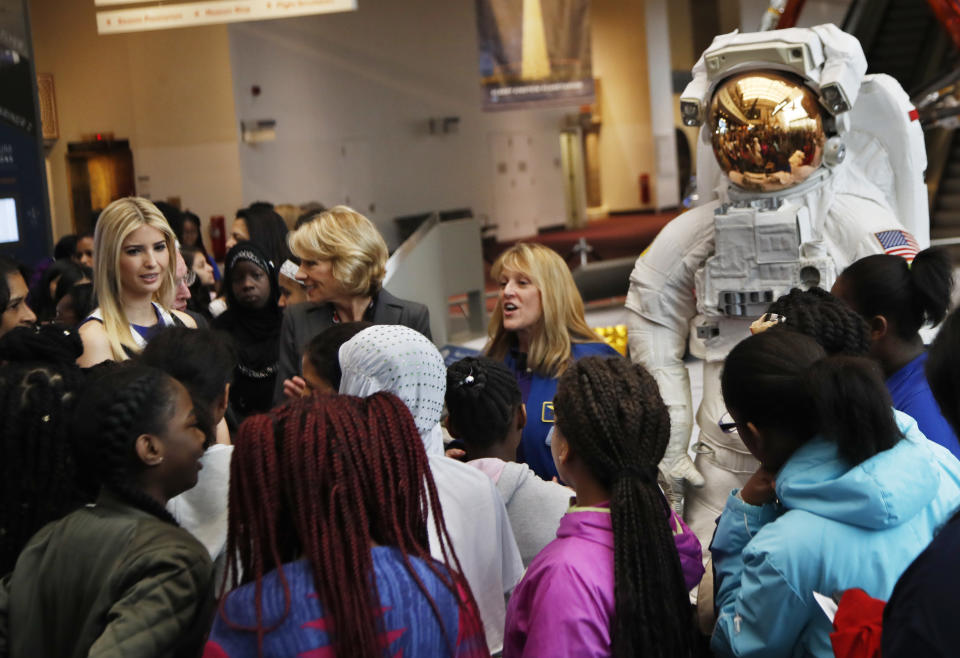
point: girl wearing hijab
(404, 362)
(253, 320)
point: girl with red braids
(328, 528)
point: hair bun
(475, 379)
(468, 374)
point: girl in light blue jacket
(848, 493)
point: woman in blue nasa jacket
(848, 493)
(538, 329)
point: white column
(666, 188)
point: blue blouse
(538, 392)
(911, 394)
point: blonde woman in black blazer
(343, 260)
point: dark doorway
(100, 172)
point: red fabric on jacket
(858, 625)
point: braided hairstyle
(818, 314)
(482, 399)
(323, 478)
(611, 414)
(39, 382)
(121, 404)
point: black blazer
(301, 322)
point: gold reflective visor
(767, 131)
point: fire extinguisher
(645, 189)
(218, 238)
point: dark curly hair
(818, 314)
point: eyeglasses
(188, 280)
(726, 424)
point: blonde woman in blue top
(538, 329)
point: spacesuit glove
(676, 472)
(684, 470)
(676, 462)
(676, 465)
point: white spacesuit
(805, 165)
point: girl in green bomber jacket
(118, 577)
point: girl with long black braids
(118, 577)
(611, 583)
(253, 321)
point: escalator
(945, 214)
(904, 39)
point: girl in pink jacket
(611, 583)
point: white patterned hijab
(404, 362)
(401, 361)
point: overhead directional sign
(186, 14)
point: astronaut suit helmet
(782, 106)
(766, 130)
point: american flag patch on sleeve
(898, 243)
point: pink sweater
(564, 604)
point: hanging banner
(186, 14)
(534, 52)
